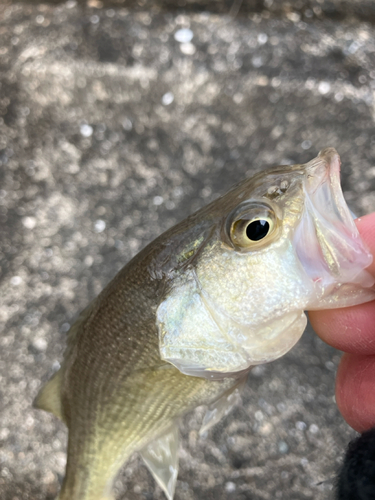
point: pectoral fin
(49, 397)
(223, 405)
(161, 458)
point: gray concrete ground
(114, 125)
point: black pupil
(257, 230)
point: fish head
(278, 244)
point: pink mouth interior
(327, 241)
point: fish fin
(73, 333)
(49, 397)
(161, 458)
(223, 405)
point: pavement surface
(118, 119)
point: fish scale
(129, 411)
(150, 346)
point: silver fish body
(186, 319)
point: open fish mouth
(327, 241)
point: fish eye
(252, 226)
(257, 229)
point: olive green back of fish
(113, 391)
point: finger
(351, 329)
(355, 390)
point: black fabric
(356, 479)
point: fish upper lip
(325, 167)
(328, 155)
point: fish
(183, 323)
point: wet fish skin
(117, 385)
(117, 394)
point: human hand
(352, 330)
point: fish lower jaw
(343, 295)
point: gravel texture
(116, 121)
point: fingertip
(355, 390)
(351, 329)
(322, 322)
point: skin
(352, 330)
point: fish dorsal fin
(161, 458)
(49, 397)
(74, 331)
(223, 405)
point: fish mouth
(326, 239)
